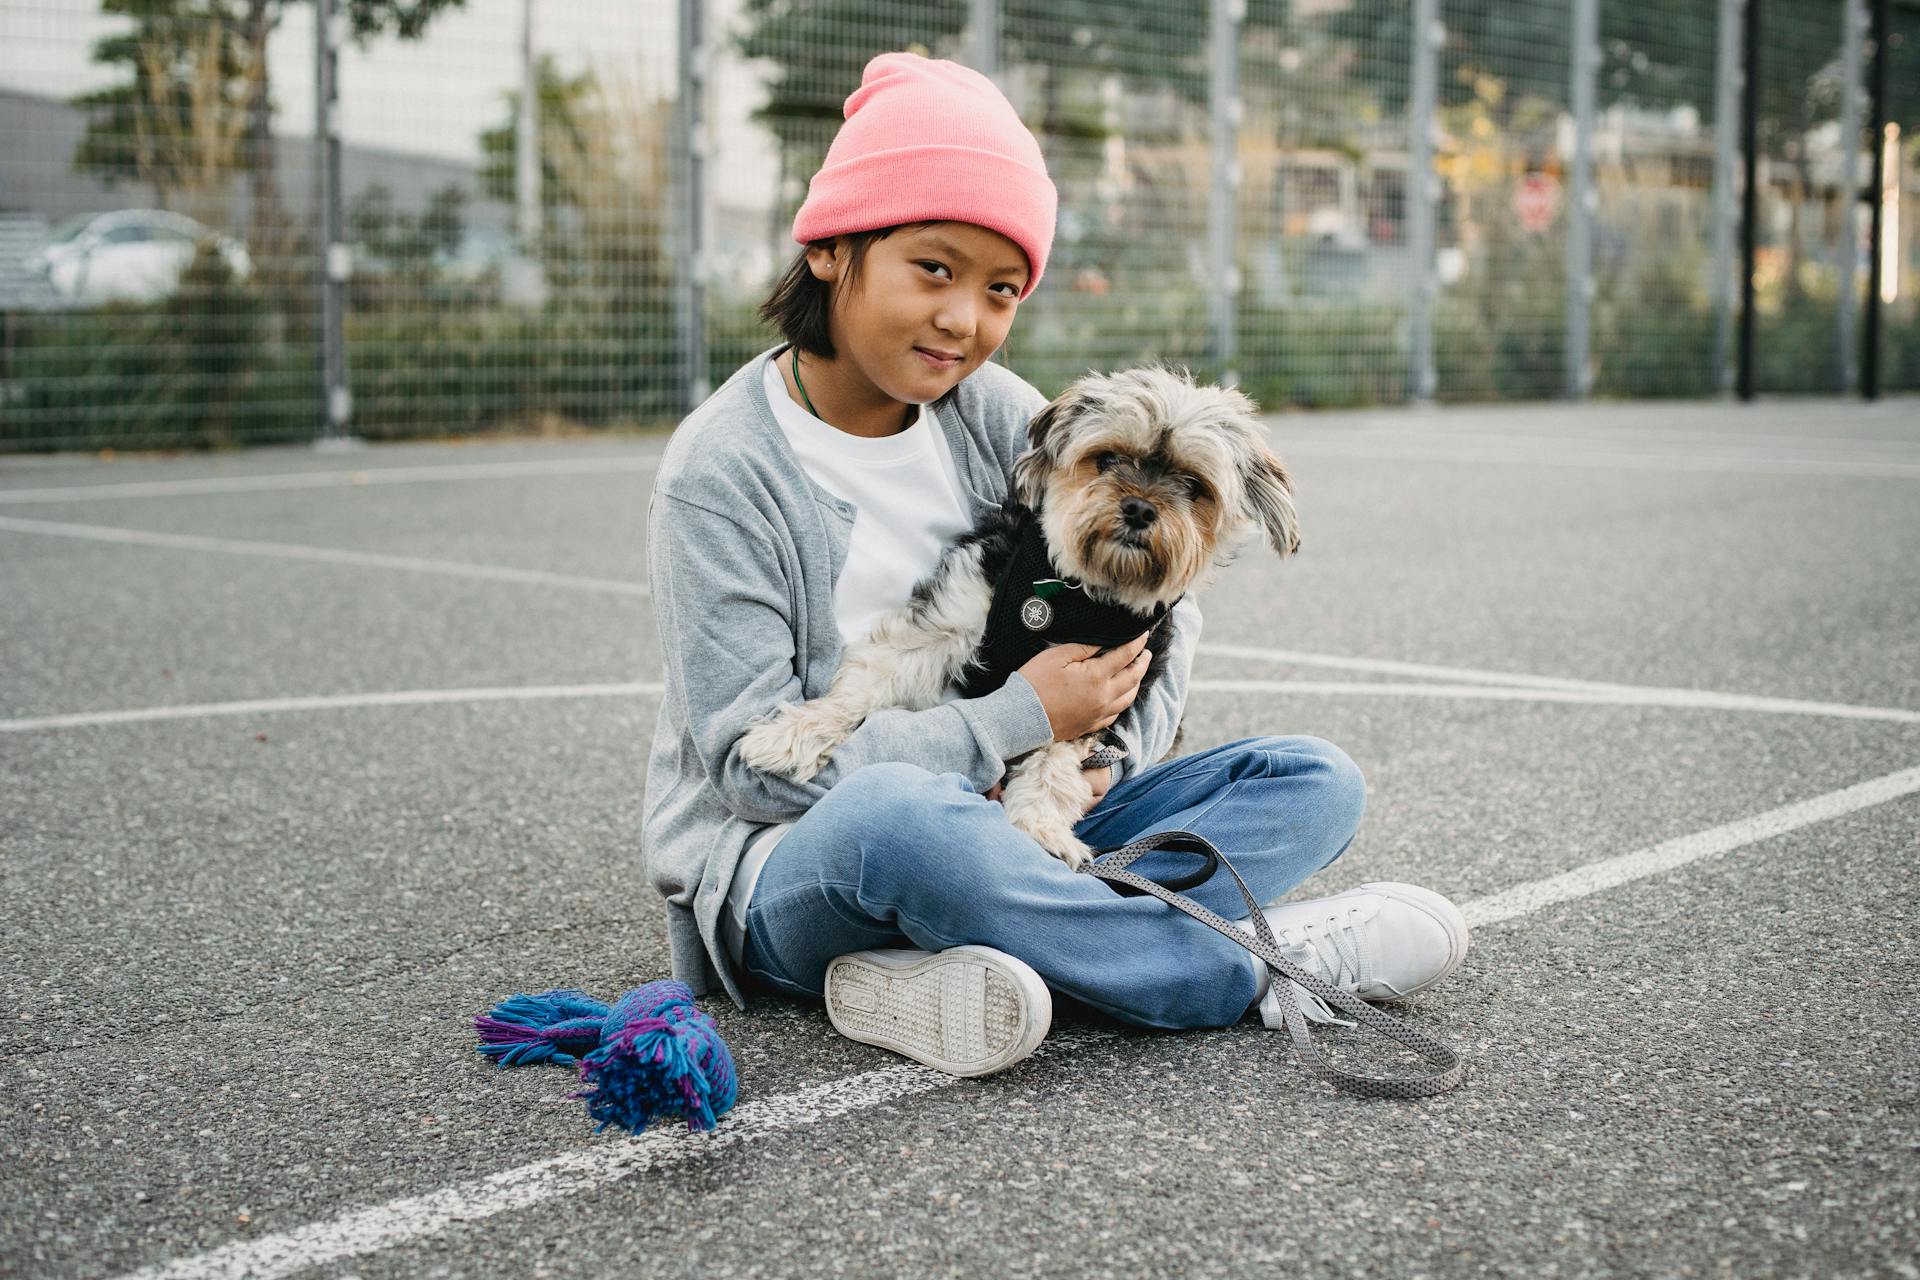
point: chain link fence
(227, 221)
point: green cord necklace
(803, 386)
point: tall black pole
(1749, 194)
(1870, 331)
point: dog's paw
(1062, 844)
(1073, 851)
(1070, 849)
(787, 746)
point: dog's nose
(1138, 512)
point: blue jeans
(897, 856)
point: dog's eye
(1105, 458)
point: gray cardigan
(743, 550)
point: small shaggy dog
(1136, 484)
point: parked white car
(133, 255)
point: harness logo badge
(1036, 614)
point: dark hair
(799, 305)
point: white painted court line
(329, 479)
(1627, 697)
(1425, 450)
(322, 555)
(1611, 439)
(1628, 694)
(1395, 667)
(402, 1222)
(333, 702)
(1621, 694)
(1596, 877)
(1682, 699)
(1617, 435)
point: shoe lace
(1331, 948)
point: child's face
(952, 287)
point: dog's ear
(1269, 498)
(1044, 436)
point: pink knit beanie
(930, 140)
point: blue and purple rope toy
(649, 1055)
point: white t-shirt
(906, 491)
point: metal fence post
(1423, 192)
(1223, 205)
(1852, 18)
(983, 49)
(690, 142)
(526, 139)
(336, 257)
(1726, 120)
(983, 17)
(1584, 60)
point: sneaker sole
(967, 1011)
(1441, 909)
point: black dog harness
(1034, 607)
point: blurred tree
(818, 65)
(606, 315)
(605, 180)
(1654, 55)
(563, 101)
(172, 51)
(1522, 45)
(390, 240)
(176, 123)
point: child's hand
(1084, 690)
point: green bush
(1465, 352)
(1900, 351)
(1794, 346)
(1324, 353)
(735, 334)
(449, 372)
(214, 365)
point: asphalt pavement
(306, 758)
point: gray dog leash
(1111, 864)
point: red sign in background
(1537, 201)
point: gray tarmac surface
(243, 947)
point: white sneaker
(1383, 941)
(968, 1011)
